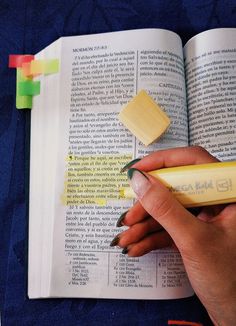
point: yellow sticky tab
(144, 118)
(37, 67)
(47, 66)
(51, 66)
(24, 102)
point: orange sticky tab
(26, 70)
(16, 60)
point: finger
(134, 215)
(174, 157)
(209, 213)
(153, 241)
(227, 218)
(158, 201)
(138, 231)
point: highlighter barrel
(197, 185)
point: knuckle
(136, 231)
(200, 150)
(202, 155)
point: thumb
(159, 202)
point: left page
(43, 155)
(99, 74)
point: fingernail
(131, 171)
(138, 181)
(125, 251)
(115, 241)
(128, 165)
(119, 222)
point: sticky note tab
(37, 67)
(44, 66)
(29, 87)
(144, 118)
(16, 60)
(26, 70)
(20, 76)
(51, 66)
(22, 102)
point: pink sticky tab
(16, 60)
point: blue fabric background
(27, 27)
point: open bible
(78, 147)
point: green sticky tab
(29, 87)
(24, 102)
(51, 66)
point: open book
(78, 147)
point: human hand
(207, 243)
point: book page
(99, 74)
(210, 61)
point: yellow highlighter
(197, 185)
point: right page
(210, 65)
